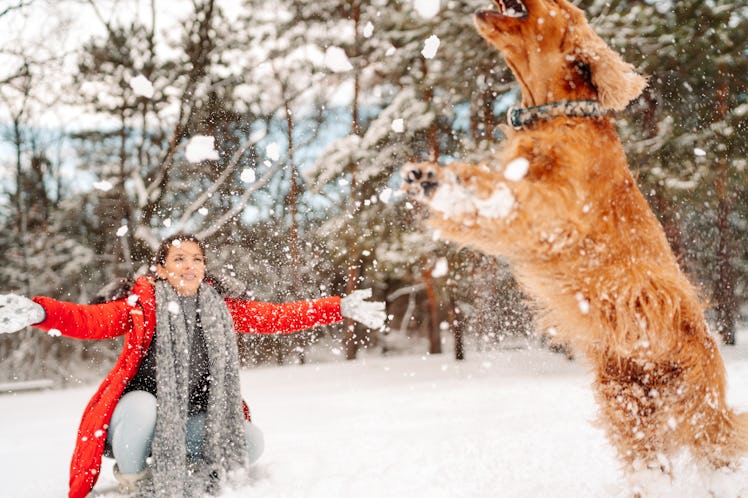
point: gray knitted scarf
(224, 443)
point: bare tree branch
(215, 226)
(19, 5)
(219, 181)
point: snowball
(103, 185)
(167, 222)
(499, 205)
(173, 307)
(430, 46)
(699, 152)
(142, 86)
(398, 125)
(451, 201)
(248, 175)
(440, 268)
(385, 195)
(203, 211)
(516, 169)
(54, 332)
(132, 299)
(201, 148)
(368, 30)
(273, 151)
(121, 231)
(426, 8)
(336, 60)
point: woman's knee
(131, 430)
(135, 412)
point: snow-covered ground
(514, 423)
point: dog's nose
(429, 187)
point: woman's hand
(17, 312)
(370, 313)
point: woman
(170, 411)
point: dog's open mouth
(512, 8)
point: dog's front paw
(420, 179)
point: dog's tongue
(512, 8)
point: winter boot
(129, 483)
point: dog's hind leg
(633, 394)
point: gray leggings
(131, 432)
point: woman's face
(184, 267)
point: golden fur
(586, 247)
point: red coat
(137, 322)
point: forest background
(313, 107)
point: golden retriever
(560, 204)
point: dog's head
(555, 55)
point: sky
(515, 423)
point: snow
(201, 148)
(122, 231)
(336, 60)
(368, 30)
(514, 423)
(430, 46)
(142, 86)
(386, 195)
(441, 268)
(398, 125)
(248, 175)
(427, 9)
(516, 169)
(173, 307)
(272, 151)
(104, 186)
(499, 205)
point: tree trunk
(724, 285)
(350, 338)
(435, 339)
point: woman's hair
(168, 242)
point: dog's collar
(520, 117)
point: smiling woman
(170, 412)
(180, 260)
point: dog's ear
(616, 81)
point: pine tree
(686, 135)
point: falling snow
(201, 148)
(427, 9)
(336, 60)
(516, 169)
(142, 86)
(430, 46)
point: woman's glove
(370, 313)
(17, 312)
